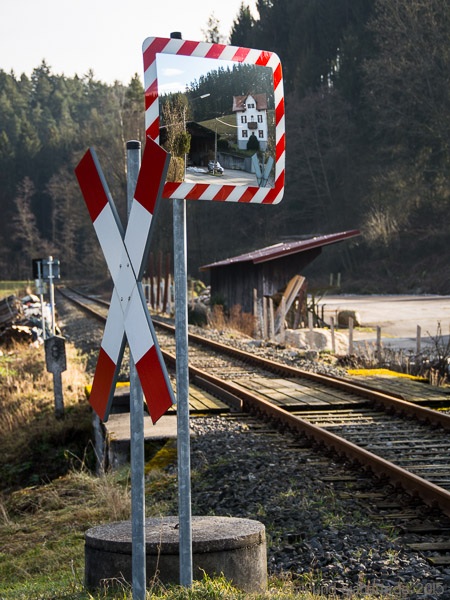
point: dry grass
(48, 497)
(35, 445)
(26, 388)
(236, 320)
(16, 288)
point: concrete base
(233, 547)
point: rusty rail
(244, 400)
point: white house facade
(251, 119)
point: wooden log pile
(11, 311)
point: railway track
(394, 438)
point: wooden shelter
(268, 270)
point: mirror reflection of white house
(251, 119)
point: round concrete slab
(230, 546)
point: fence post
(158, 280)
(271, 320)
(283, 317)
(264, 318)
(333, 336)
(256, 319)
(151, 277)
(350, 335)
(378, 343)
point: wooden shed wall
(234, 284)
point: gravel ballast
(326, 521)
(322, 523)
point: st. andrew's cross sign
(126, 254)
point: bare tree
(407, 80)
(25, 235)
(212, 33)
(321, 139)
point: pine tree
(241, 31)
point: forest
(367, 95)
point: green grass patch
(16, 288)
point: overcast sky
(73, 36)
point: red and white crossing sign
(154, 46)
(125, 254)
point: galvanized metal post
(41, 297)
(138, 563)
(52, 292)
(182, 373)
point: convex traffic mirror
(219, 111)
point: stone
(344, 316)
(318, 340)
(232, 547)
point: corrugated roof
(284, 249)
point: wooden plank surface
(292, 393)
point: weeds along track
(394, 438)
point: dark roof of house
(239, 102)
(284, 249)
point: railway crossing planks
(203, 402)
(293, 395)
(200, 401)
(415, 391)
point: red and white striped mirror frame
(153, 46)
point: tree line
(367, 121)
(47, 122)
(367, 130)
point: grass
(49, 495)
(234, 320)
(16, 288)
(36, 446)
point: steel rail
(247, 401)
(375, 396)
(85, 307)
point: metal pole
(215, 150)
(58, 392)
(182, 373)
(52, 292)
(138, 564)
(41, 297)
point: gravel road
(398, 317)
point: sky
(175, 73)
(73, 36)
